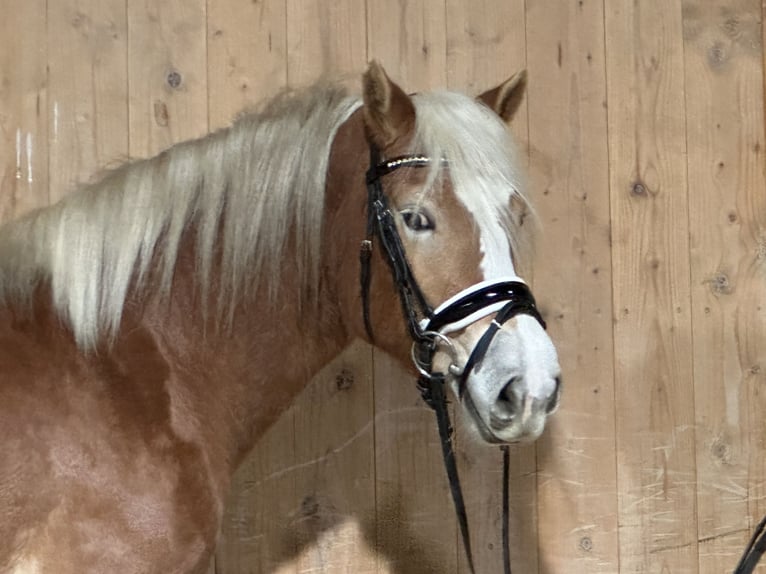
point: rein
(428, 327)
(755, 549)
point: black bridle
(505, 298)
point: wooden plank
(577, 498)
(167, 66)
(652, 332)
(247, 55)
(23, 108)
(333, 418)
(247, 63)
(486, 45)
(409, 39)
(325, 39)
(727, 215)
(416, 522)
(335, 514)
(256, 531)
(88, 90)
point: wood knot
(719, 284)
(731, 27)
(638, 189)
(161, 115)
(760, 250)
(174, 79)
(309, 506)
(344, 380)
(717, 56)
(720, 450)
(586, 543)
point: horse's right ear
(506, 98)
(389, 113)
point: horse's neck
(231, 382)
(234, 382)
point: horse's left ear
(506, 98)
(389, 113)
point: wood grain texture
(247, 62)
(247, 55)
(643, 129)
(88, 90)
(23, 108)
(656, 472)
(167, 63)
(416, 528)
(569, 173)
(485, 45)
(334, 417)
(727, 206)
(325, 38)
(336, 485)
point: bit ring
(438, 338)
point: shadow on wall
(390, 535)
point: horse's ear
(506, 98)
(389, 113)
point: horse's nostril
(553, 401)
(507, 402)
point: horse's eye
(417, 220)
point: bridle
(505, 298)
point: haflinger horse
(155, 323)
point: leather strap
(755, 549)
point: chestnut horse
(154, 324)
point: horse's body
(133, 380)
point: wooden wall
(644, 133)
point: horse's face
(456, 226)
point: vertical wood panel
(684, 84)
(88, 90)
(167, 67)
(247, 55)
(652, 334)
(416, 522)
(334, 419)
(727, 209)
(336, 484)
(486, 43)
(247, 63)
(324, 38)
(23, 108)
(409, 39)
(577, 498)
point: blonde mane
(250, 186)
(247, 190)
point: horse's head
(458, 215)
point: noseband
(428, 327)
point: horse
(155, 323)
